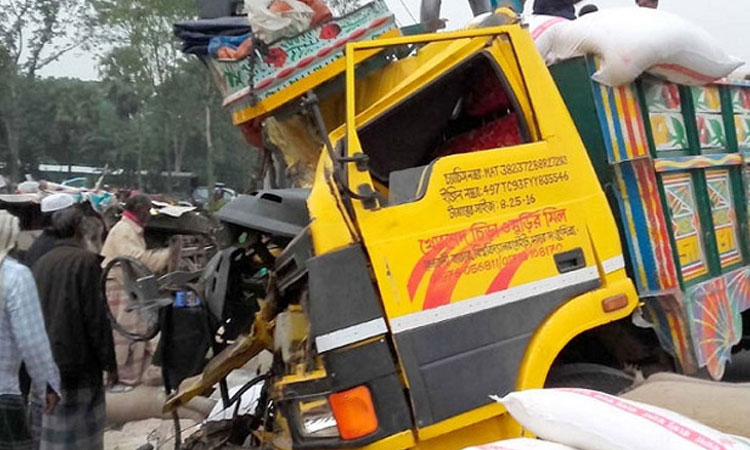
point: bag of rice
(521, 444)
(545, 30)
(591, 420)
(631, 41)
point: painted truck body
(672, 160)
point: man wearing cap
(41, 246)
(47, 240)
(75, 316)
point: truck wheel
(590, 376)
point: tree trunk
(13, 143)
(139, 168)
(12, 131)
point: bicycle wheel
(133, 298)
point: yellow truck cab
(485, 263)
(458, 239)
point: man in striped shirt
(23, 337)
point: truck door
(476, 233)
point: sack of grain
(630, 41)
(591, 420)
(521, 444)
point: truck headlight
(349, 415)
(317, 419)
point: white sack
(270, 26)
(521, 444)
(631, 41)
(590, 420)
(248, 403)
(545, 30)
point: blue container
(179, 299)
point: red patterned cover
(503, 132)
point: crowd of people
(58, 351)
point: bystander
(75, 314)
(22, 337)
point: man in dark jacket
(43, 244)
(68, 278)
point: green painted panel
(711, 132)
(741, 100)
(706, 99)
(661, 96)
(669, 131)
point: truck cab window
(470, 108)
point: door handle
(570, 260)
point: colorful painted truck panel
(308, 57)
(673, 160)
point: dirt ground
(135, 417)
(724, 406)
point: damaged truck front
(450, 239)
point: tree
(146, 55)
(33, 34)
(61, 121)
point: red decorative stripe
(285, 73)
(264, 84)
(306, 62)
(377, 23)
(545, 26)
(687, 72)
(340, 43)
(641, 129)
(324, 52)
(628, 124)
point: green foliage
(147, 114)
(33, 34)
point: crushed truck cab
(458, 238)
(441, 277)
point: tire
(145, 314)
(590, 376)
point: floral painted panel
(686, 227)
(711, 133)
(706, 99)
(669, 131)
(724, 218)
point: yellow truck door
(471, 250)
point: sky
(726, 22)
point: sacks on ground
(723, 406)
(631, 41)
(590, 420)
(521, 444)
(274, 19)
